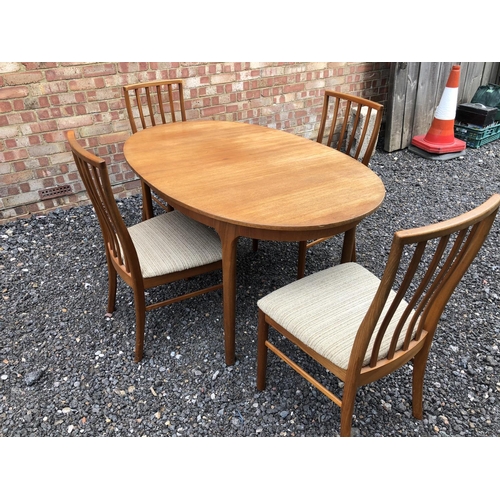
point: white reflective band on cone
(448, 106)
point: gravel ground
(67, 370)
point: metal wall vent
(55, 192)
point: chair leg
(262, 336)
(347, 409)
(111, 287)
(255, 245)
(301, 266)
(419, 365)
(147, 202)
(140, 323)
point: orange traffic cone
(441, 136)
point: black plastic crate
(476, 113)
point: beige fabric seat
(172, 242)
(324, 311)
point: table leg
(229, 240)
(349, 248)
(147, 202)
(301, 265)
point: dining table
(254, 181)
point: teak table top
(253, 176)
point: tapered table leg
(229, 240)
(349, 247)
(301, 266)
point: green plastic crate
(475, 136)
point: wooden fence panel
(471, 76)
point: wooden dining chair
(149, 104)
(361, 328)
(155, 252)
(350, 124)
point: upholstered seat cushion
(324, 310)
(172, 242)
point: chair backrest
(428, 263)
(352, 124)
(158, 101)
(118, 243)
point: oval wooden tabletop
(253, 176)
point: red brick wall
(40, 101)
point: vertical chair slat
(414, 300)
(113, 235)
(364, 131)
(150, 106)
(139, 107)
(353, 132)
(334, 121)
(432, 289)
(180, 89)
(410, 273)
(322, 123)
(344, 125)
(160, 103)
(171, 102)
(454, 258)
(100, 185)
